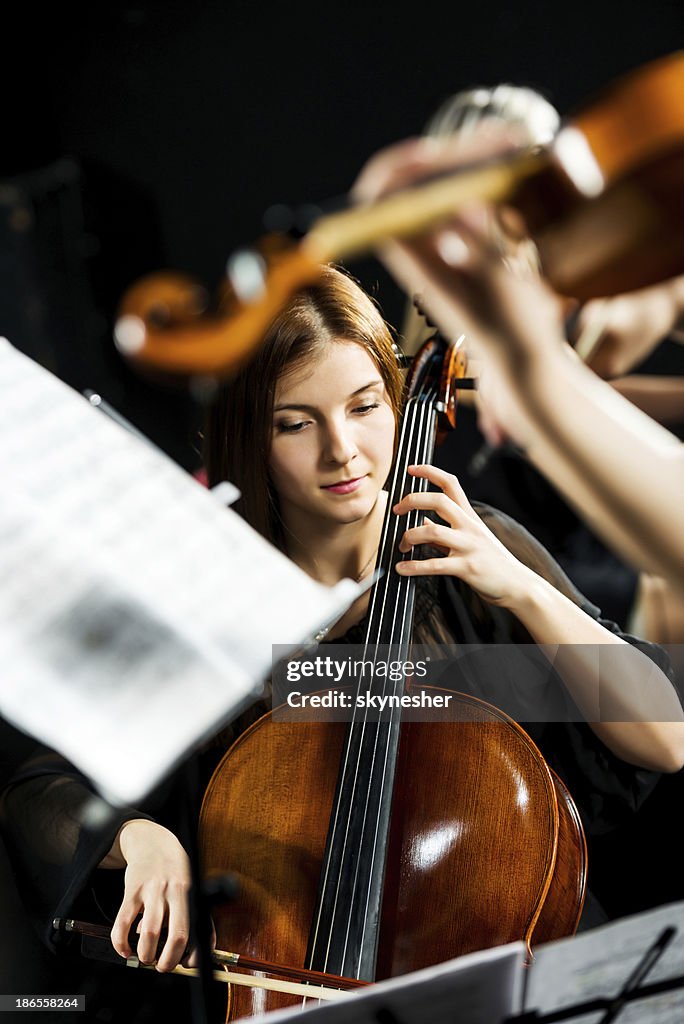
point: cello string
(382, 735)
(408, 441)
(357, 727)
(399, 472)
(418, 405)
(406, 584)
(404, 456)
(416, 438)
(412, 452)
(424, 454)
(359, 724)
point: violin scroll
(622, 229)
(165, 320)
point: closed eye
(292, 428)
(285, 427)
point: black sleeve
(56, 831)
(606, 789)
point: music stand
(603, 971)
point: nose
(340, 446)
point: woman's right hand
(156, 884)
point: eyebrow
(312, 408)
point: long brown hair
(238, 430)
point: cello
(349, 859)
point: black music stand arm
(632, 990)
(200, 915)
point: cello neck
(344, 938)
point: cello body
(485, 846)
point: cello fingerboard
(344, 936)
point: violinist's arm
(623, 472)
(620, 469)
(618, 689)
(157, 881)
(626, 699)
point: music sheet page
(137, 612)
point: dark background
(151, 135)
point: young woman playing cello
(307, 432)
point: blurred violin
(603, 202)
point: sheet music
(478, 988)
(597, 963)
(137, 613)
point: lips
(345, 486)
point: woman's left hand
(472, 552)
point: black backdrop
(187, 120)
(141, 136)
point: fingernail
(401, 567)
(452, 248)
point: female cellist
(307, 432)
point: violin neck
(352, 232)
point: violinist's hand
(513, 322)
(472, 552)
(156, 885)
(628, 327)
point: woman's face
(333, 437)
